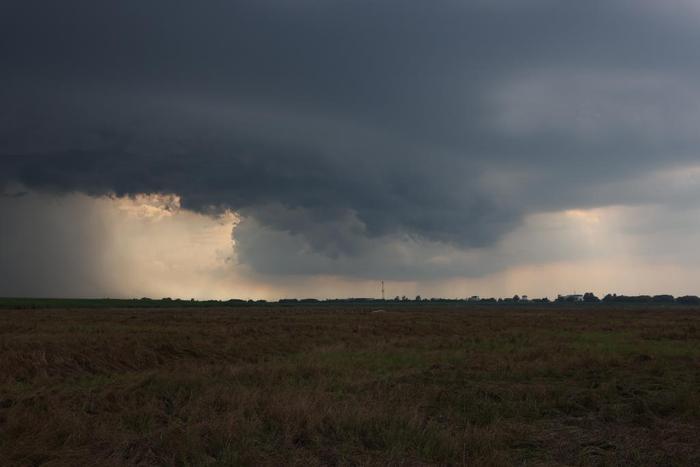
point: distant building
(524, 298)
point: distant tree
(590, 297)
(396, 299)
(614, 298)
(418, 298)
(610, 298)
(689, 300)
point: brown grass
(521, 386)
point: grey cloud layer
(335, 123)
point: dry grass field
(420, 386)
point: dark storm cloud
(338, 122)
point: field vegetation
(425, 385)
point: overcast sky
(275, 148)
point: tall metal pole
(382, 290)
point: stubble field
(331, 386)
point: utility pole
(382, 290)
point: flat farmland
(528, 385)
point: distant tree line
(589, 297)
(167, 302)
(686, 299)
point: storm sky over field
(276, 148)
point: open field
(320, 386)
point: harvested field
(321, 386)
